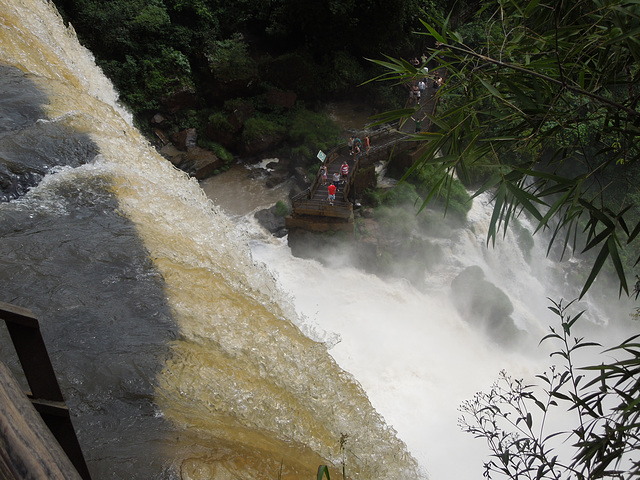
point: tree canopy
(540, 104)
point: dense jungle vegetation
(272, 63)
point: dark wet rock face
(30, 144)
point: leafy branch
(603, 439)
(550, 116)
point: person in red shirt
(332, 193)
(344, 170)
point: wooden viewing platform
(311, 209)
(37, 438)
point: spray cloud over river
(411, 350)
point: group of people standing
(418, 89)
(356, 146)
(339, 177)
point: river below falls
(409, 349)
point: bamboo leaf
(617, 263)
(525, 200)
(435, 34)
(597, 266)
(322, 471)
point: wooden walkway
(311, 209)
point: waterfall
(178, 355)
(416, 354)
(190, 344)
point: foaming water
(179, 356)
(417, 358)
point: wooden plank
(319, 224)
(24, 330)
(15, 314)
(28, 450)
(330, 211)
(32, 352)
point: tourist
(332, 193)
(418, 124)
(356, 151)
(323, 174)
(336, 178)
(421, 86)
(351, 142)
(344, 169)
(367, 144)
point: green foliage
(323, 471)
(229, 60)
(314, 130)
(255, 128)
(282, 209)
(603, 438)
(519, 94)
(142, 82)
(372, 197)
(151, 49)
(222, 153)
(396, 221)
(342, 73)
(220, 122)
(188, 119)
(151, 19)
(402, 194)
(453, 196)
(140, 47)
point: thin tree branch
(631, 112)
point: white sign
(321, 155)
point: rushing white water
(416, 357)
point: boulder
(158, 119)
(201, 163)
(484, 305)
(271, 222)
(225, 138)
(276, 178)
(171, 153)
(366, 178)
(295, 190)
(240, 115)
(185, 139)
(263, 144)
(281, 99)
(301, 177)
(181, 99)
